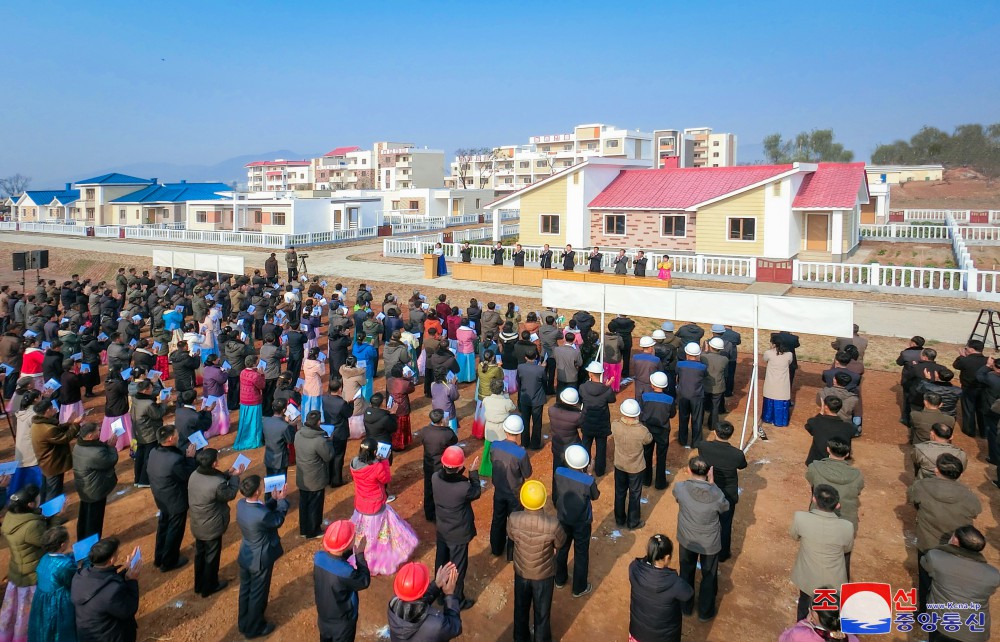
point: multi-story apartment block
(402, 165)
(279, 175)
(345, 168)
(511, 167)
(694, 147)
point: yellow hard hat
(533, 494)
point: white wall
(778, 221)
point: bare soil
(961, 189)
(757, 599)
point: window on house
(477, 203)
(90, 193)
(541, 163)
(673, 225)
(508, 181)
(567, 148)
(742, 229)
(614, 224)
(591, 145)
(611, 143)
(524, 164)
(201, 216)
(549, 223)
(666, 140)
(121, 212)
(395, 205)
(715, 164)
(715, 154)
(277, 218)
(258, 217)
(526, 179)
(715, 143)
(414, 205)
(576, 178)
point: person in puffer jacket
(94, 473)
(104, 598)
(658, 594)
(412, 618)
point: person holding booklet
(259, 550)
(105, 596)
(51, 441)
(209, 492)
(312, 389)
(116, 410)
(214, 390)
(390, 540)
(169, 470)
(23, 529)
(313, 453)
(250, 434)
(52, 618)
(94, 475)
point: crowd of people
(301, 367)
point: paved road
(937, 323)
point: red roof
(832, 185)
(280, 163)
(340, 151)
(678, 189)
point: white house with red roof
(807, 210)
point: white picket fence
(484, 233)
(958, 216)
(874, 275)
(905, 232)
(49, 228)
(505, 215)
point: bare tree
(14, 185)
(488, 167)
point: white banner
(222, 263)
(727, 308)
(657, 303)
(832, 317)
(573, 295)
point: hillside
(961, 188)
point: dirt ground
(961, 189)
(757, 599)
(938, 255)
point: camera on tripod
(303, 256)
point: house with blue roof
(45, 205)
(96, 194)
(161, 203)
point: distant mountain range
(227, 171)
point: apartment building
(279, 175)
(512, 167)
(693, 147)
(402, 166)
(345, 168)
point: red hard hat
(339, 535)
(453, 457)
(412, 580)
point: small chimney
(154, 180)
(69, 186)
(183, 181)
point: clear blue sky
(86, 87)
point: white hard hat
(659, 379)
(630, 408)
(659, 334)
(692, 350)
(716, 343)
(513, 424)
(577, 457)
(668, 326)
(570, 396)
(646, 342)
(595, 367)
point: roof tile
(678, 189)
(832, 185)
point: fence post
(796, 270)
(873, 275)
(752, 268)
(971, 280)
(699, 264)
(892, 230)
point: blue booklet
(53, 506)
(81, 550)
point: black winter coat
(105, 604)
(655, 608)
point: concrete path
(933, 322)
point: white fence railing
(406, 228)
(332, 236)
(52, 228)
(906, 232)
(723, 267)
(875, 275)
(505, 215)
(464, 219)
(981, 217)
(484, 233)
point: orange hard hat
(339, 535)
(453, 457)
(412, 580)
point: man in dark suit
(518, 255)
(568, 258)
(336, 412)
(436, 438)
(970, 360)
(456, 524)
(169, 469)
(188, 419)
(826, 425)
(259, 550)
(545, 258)
(498, 254)
(725, 460)
(531, 399)
(295, 343)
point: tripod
(303, 270)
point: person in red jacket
(250, 433)
(390, 539)
(31, 362)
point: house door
(868, 213)
(817, 232)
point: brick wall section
(642, 231)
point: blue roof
(44, 197)
(115, 179)
(176, 193)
